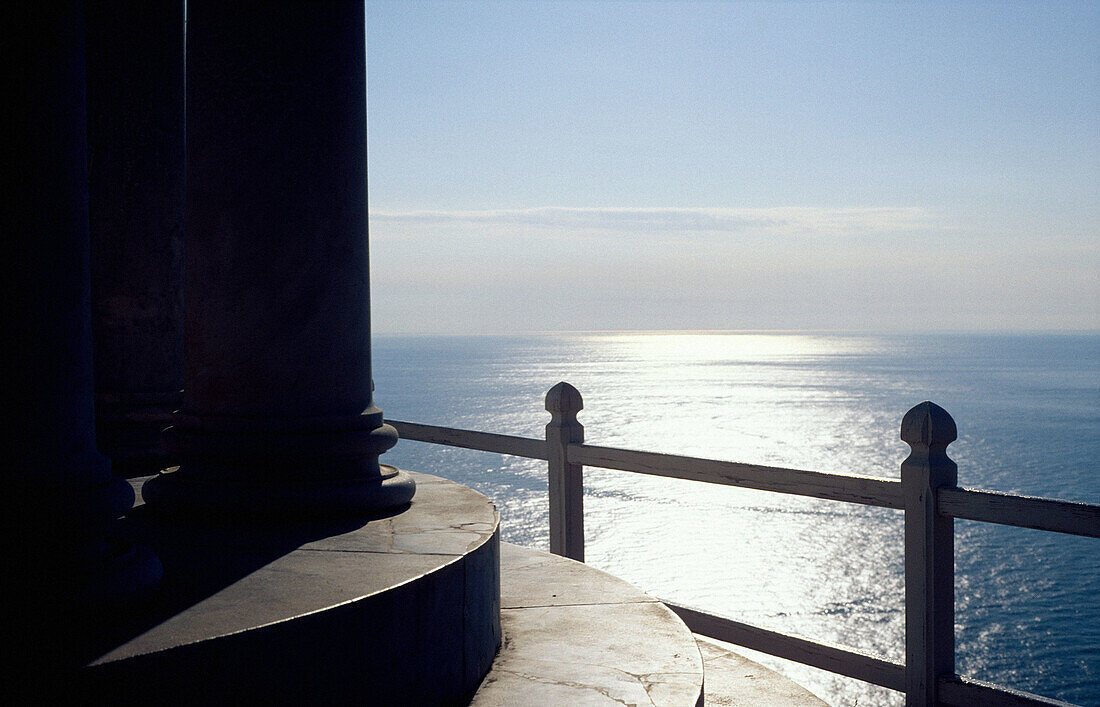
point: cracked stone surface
(574, 635)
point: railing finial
(928, 426)
(563, 402)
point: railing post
(563, 402)
(929, 553)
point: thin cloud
(778, 221)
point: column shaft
(136, 188)
(277, 416)
(60, 495)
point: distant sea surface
(1028, 412)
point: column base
(126, 574)
(279, 467)
(114, 579)
(173, 490)
(133, 436)
(63, 550)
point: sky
(563, 166)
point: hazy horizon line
(878, 331)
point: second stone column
(278, 416)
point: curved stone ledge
(734, 679)
(574, 635)
(399, 609)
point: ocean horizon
(1027, 407)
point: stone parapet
(400, 608)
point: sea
(1027, 407)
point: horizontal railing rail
(835, 659)
(468, 439)
(959, 691)
(927, 494)
(868, 490)
(1069, 517)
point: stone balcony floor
(571, 634)
(574, 635)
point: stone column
(278, 415)
(59, 493)
(136, 186)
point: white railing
(927, 494)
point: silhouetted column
(136, 186)
(277, 416)
(59, 493)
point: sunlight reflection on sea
(1027, 408)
